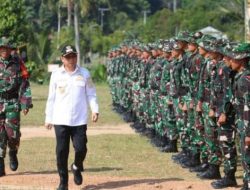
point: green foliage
(37, 72)
(12, 20)
(98, 73)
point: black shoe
(62, 187)
(193, 162)
(2, 167)
(213, 172)
(245, 186)
(171, 147)
(77, 176)
(226, 181)
(201, 168)
(13, 160)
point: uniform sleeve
(50, 100)
(25, 94)
(246, 111)
(91, 95)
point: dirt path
(38, 181)
(40, 131)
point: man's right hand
(48, 126)
(222, 119)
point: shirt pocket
(62, 88)
(80, 83)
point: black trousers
(79, 138)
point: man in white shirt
(71, 91)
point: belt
(8, 96)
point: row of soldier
(193, 88)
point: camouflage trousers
(211, 137)
(9, 128)
(185, 131)
(155, 112)
(179, 121)
(166, 123)
(244, 150)
(227, 134)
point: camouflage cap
(167, 46)
(227, 48)
(68, 49)
(5, 42)
(205, 42)
(193, 37)
(241, 51)
(146, 47)
(176, 45)
(183, 36)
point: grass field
(111, 155)
(108, 155)
(36, 115)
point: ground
(47, 181)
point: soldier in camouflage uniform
(175, 85)
(227, 131)
(15, 95)
(160, 139)
(191, 75)
(241, 103)
(206, 96)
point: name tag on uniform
(79, 80)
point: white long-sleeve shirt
(70, 94)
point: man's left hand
(247, 141)
(95, 117)
(25, 111)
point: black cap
(68, 49)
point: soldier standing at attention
(71, 90)
(241, 103)
(15, 95)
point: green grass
(36, 115)
(111, 155)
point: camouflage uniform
(241, 102)
(15, 95)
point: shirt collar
(62, 69)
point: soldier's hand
(95, 117)
(199, 107)
(222, 119)
(170, 102)
(191, 105)
(48, 126)
(247, 141)
(180, 106)
(25, 111)
(211, 113)
(184, 107)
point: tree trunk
(69, 7)
(77, 34)
(247, 20)
(58, 26)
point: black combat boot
(193, 162)
(245, 186)
(178, 156)
(201, 168)
(171, 147)
(77, 175)
(228, 180)
(64, 177)
(2, 167)
(13, 160)
(213, 172)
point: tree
(12, 22)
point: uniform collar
(62, 69)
